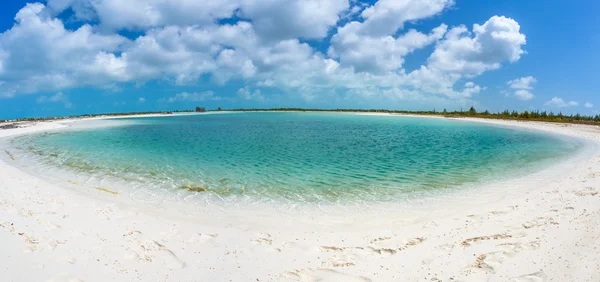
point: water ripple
(290, 156)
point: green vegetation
(471, 112)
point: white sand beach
(543, 227)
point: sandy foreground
(543, 227)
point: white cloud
(183, 42)
(246, 94)
(141, 99)
(145, 14)
(371, 45)
(470, 54)
(464, 54)
(287, 19)
(471, 88)
(588, 105)
(57, 98)
(523, 94)
(38, 53)
(560, 103)
(387, 16)
(378, 54)
(522, 83)
(273, 19)
(195, 97)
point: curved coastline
(517, 212)
(58, 176)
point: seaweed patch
(107, 191)
(10, 155)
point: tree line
(471, 112)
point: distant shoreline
(471, 113)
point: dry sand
(543, 227)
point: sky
(72, 57)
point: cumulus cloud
(38, 53)
(194, 97)
(387, 16)
(145, 14)
(471, 88)
(465, 54)
(141, 99)
(246, 94)
(471, 53)
(287, 19)
(57, 98)
(274, 19)
(523, 94)
(378, 54)
(560, 103)
(186, 41)
(588, 105)
(371, 45)
(523, 85)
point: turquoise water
(296, 156)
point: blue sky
(65, 57)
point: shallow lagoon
(307, 157)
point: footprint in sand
(202, 238)
(540, 221)
(297, 246)
(566, 211)
(146, 249)
(49, 225)
(592, 175)
(512, 249)
(488, 262)
(323, 274)
(263, 239)
(33, 244)
(444, 249)
(339, 260)
(55, 243)
(392, 245)
(383, 246)
(26, 213)
(588, 191)
(31, 249)
(430, 224)
(69, 260)
(470, 241)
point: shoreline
(59, 176)
(540, 229)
